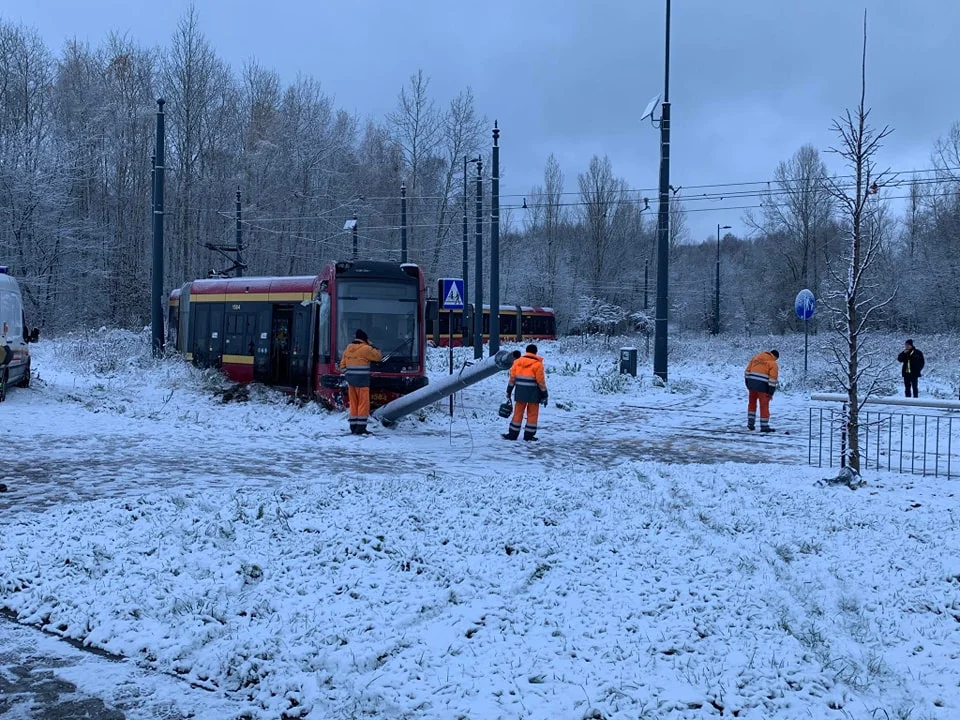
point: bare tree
(679, 232)
(37, 232)
(197, 86)
(800, 207)
(854, 301)
(544, 221)
(604, 212)
(946, 155)
(415, 126)
(460, 136)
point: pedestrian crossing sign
(451, 293)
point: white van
(13, 336)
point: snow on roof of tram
(537, 309)
(299, 283)
(376, 268)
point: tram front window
(386, 311)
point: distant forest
(77, 131)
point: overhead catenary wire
(937, 176)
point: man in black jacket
(912, 361)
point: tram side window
(323, 333)
(239, 331)
(538, 325)
(508, 324)
(433, 316)
(446, 318)
(233, 327)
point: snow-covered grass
(649, 591)
(434, 571)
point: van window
(11, 315)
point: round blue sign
(805, 304)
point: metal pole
(646, 283)
(403, 223)
(239, 237)
(646, 294)
(153, 184)
(663, 221)
(716, 300)
(450, 348)
(435, 391)
(157, 309)
(355, 250)
(466, 315)
(806, 335)
(478, 270)
(495, 245)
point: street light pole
(478, 270)
(403, 222)
(353, 227)
(663, 221)
(466, 316)
(494, 345)
(716, 305)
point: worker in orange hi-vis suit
(761, 380)
(355, 365)
(527, 377)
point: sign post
(805, 305)
(451, 298)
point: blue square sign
(451, 293)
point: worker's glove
(544, 396)
(509, 392)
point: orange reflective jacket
(761, 373)
(356, 362)
(528, 378)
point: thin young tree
(855, 302)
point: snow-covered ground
(648, 558)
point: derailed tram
(290, 332)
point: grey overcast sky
(750, 82)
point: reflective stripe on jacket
(761, 373)
(527, 378)
(356, 360)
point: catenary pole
(403, 222)
(240, 264)
(663, 221)
(356, 250)
(495, 245)
(478, 270)
(157, 305)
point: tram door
(301, 342)
(207, 335)
(280, 345)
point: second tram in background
(290, 332)
(518, 323)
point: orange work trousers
(359, 402)
(764, 400)
(532, 411)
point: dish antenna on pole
(651, 106)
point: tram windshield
(386, 311)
